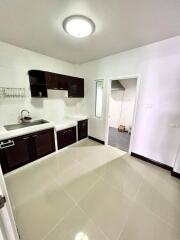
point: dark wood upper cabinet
(56, 81)
(51, 80)
(76, 87)
(38, 84)
(40, 81)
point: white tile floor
(95, 192)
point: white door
(8, 229)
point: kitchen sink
(24, 124)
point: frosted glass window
(99, 98)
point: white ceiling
(120, 25)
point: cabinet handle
(7, 144)
(25, 138)
(35, 136)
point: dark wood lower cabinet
(21, 150)
(15, 153)
(82, 129)
(66, 137)
(43, 143)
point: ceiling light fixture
(78, 26)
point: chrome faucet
(25, 118)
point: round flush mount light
(78, 26)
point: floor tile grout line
(84, 196)
(151, 211)
(138, 190)
(133, 203)
(120, 233)
(115, 189)
(157, 216)
(92, 220)
(75, 205)
(58, 222)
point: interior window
(99, 98)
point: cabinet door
(15, 153)
(62, 138)
(52, 81)
(71, 135)
(66, 137)
(62, 82)
(43, 143)
(75, 87)
(82, 129)
(57, 81)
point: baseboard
(175, 174)
(96, 140)
(162, 165)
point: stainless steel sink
(24, 124)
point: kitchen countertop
(63, 124)
(4, 134)
(68, 122)
(77, 117)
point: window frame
(96, 87)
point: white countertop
(63, 124)
(77, 117)
(4, 134)
(68, 122)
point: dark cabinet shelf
(82, 129)
(41, 81)
(22, 150)
(37, 81)
(66, 137)
(38, 90)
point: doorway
(122, 99)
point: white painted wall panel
(158, 110)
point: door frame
(122, 77)
(6, 213)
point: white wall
(158, 110)
(122, 104)
(177, 162)
(14, 65)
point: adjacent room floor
(94, 192)
(118, 139)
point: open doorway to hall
(121, 110)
